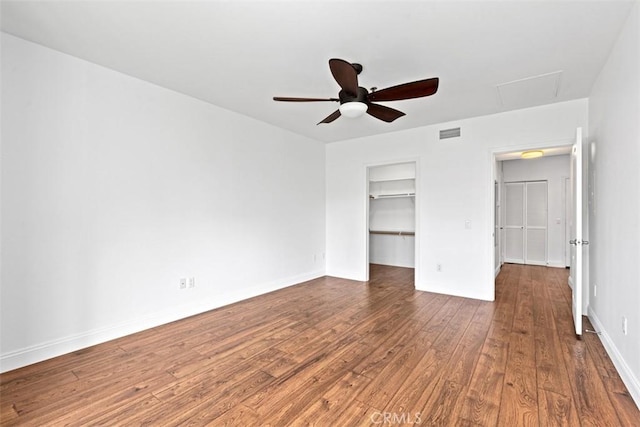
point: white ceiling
(240, 54)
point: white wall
(454, 185)
(554, 170)
(614, 202)
(398, 251)
(113, 189)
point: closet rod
(393, 233)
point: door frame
(366, 166)
(566, 189)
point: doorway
(533, 208)
(391, 215)
(578, 269)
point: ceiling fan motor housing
(361, 96)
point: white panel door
(514, 222)
(535, 238)
(575, 276)
(526, 222)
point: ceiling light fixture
(353, 109)
(532, 154)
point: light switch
(467, 224)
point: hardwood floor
(333, 352)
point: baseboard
(50, 349)
(627, 376)
(570, 282)
(556, 264)
(437, 288)
(553, 264)
(541, 264)
(393, 264)
(497, 271)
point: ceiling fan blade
(331, 117)
(406, 91)
(289, 99)
(345, 74)
(384, 113)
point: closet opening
(391, 219)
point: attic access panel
(530, 91)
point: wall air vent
(450, 133)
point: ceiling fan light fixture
(534, 154)
(353, 109)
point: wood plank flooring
(333, 352)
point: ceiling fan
(355, 100)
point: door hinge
(578, 242)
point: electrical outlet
(183, 283)
(439, 267)
(192, 282)
(624, 325)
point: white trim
(566, 232)
(49, 349)
(626, 374)
(497, 271)
(438, 288)
(491, 204)
(367, 203)
(548, 264)
(556, 265)
(540, 263)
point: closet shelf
(393, 233)
(391, 196)
(393, 180)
